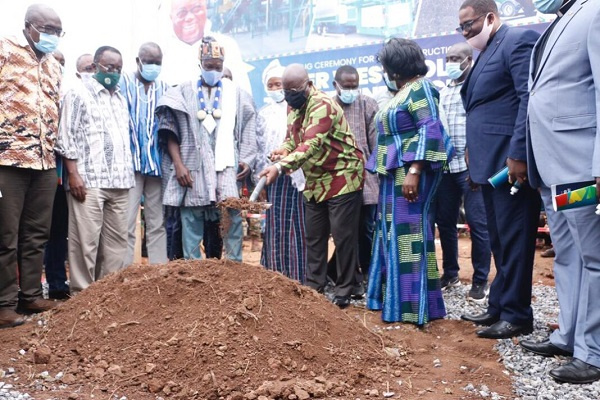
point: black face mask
(296, 100)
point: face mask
(348, 96)
(548, 6)
(276, 95)
(453, 69)
(296, 100)
(211, 78)
(47, 43)
(85, 76)
(150, 71)
(390, 84)
(480, 40)
(108, 79)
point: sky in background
(123, 24)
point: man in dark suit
(495, 97)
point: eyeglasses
(296, 90)
(89, 68)
(196, 10)
(467, 26)
(110, 68)
(48, 29)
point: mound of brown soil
(207, 330)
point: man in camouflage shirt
(320, 142)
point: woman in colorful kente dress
(412, 150)
(284, 249)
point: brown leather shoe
(36, 306)
(9, 318)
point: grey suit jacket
(563, 140)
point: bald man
(455, 185)
(142, 89)
(29, 95)
(85, 66)
(321, 143)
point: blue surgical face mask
(453, 69)
(390, 84)
(150, 71)
(276, 95)
(348, 96)
(47, 43)
(211, 78)
(548, 6)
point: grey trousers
(576, 237)
(156, 234)
(25, 219)
(97, 235)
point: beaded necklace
(203, 112)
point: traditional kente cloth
(284, 249)
(403, 277)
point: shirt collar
(565, 7)
(97, 87)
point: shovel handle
(259, 187)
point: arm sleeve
(519, 63)
(261, 154)
(247, 146)
(371, 111)
(70, 128)
(594, 52)
(429, 144)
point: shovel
(259, 187)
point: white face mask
(479, 41)
(276, 95)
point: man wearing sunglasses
(29, 94)
(495, 97)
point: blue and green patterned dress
(403, 278)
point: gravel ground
(530, 372)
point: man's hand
(243, 171)
(517, 170)
(271, 173)
(77, 187)
(474, 186)
(183, 175)
(278, 154)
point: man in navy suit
(495, 96)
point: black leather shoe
(505, 330)
(484, 319)
(341, 301)
(544, 348)
(576, 371)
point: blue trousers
(452, 189)
(193, 225)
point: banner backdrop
(321, 65)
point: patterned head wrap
(210, 49)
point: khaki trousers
(156, 234)
(97, 235)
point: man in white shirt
(94, 141)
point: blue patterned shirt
(143, 128)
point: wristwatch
(278, 166)
(414, 171)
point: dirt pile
(208, 330)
